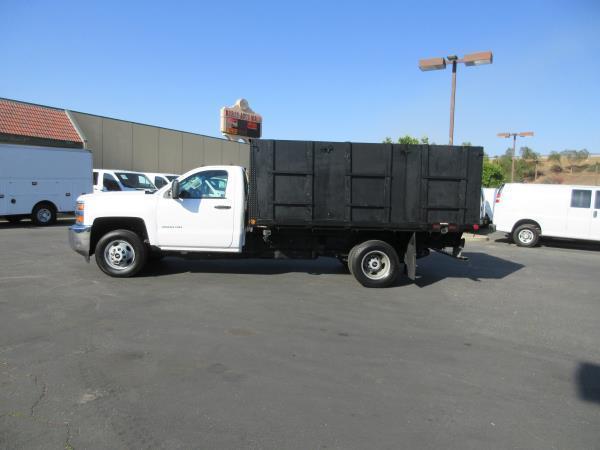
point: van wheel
(121, 253)
(526, 235)
(374, 264)
(43, 214)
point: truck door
(595, 225)
(203, 215)
(579, 216)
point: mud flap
(410, 258)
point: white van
(40, 182)
(488, 201)
(528, 211)
(121, 180)
(160, 179)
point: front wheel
(374, 264)
(121, 253)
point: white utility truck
(121, 180)
(376, 207)
(40, 182)
(528, 211)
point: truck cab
(202, 211)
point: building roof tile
(24, 119)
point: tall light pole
(472, 59)
(514, 136)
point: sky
(316, 70)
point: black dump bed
(349, 184)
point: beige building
(120, 144)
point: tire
(374, 264)
(121, 253)
(43, 214)
(526, 235)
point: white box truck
(528, 211)
(40, 182)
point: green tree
(466, 144)
(554, 156)
(571, 156)
(529, 163)
(408, 139)
(492, 175)
(528, 154)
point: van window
(159, 182)
(95, 178)
(110, 183)
(597, 205)
(581, 198)
(135, 180)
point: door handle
(1, 195)
(222, 207)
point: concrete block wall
(119, 144)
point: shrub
(556, 168)
(553, 179)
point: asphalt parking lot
(501, 351)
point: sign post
(240, 122)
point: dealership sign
(240, 122)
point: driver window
(207, 184)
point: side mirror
(175, 189)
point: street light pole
(512, 168)
(472, 59)
(452, 100)
(514, 148)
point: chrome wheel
(119, 254)
(44, 215)
(376, 265)
(526, 236)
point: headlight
(79, 213)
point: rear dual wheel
(374, 264)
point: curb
(475, 237)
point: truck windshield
(135, 180)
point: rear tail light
(498, 197)
(475, 226)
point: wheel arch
(45, 202)
(104, 225)
(524, 221)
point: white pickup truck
(300, 202)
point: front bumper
(79, 239)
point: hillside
(585, 173)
